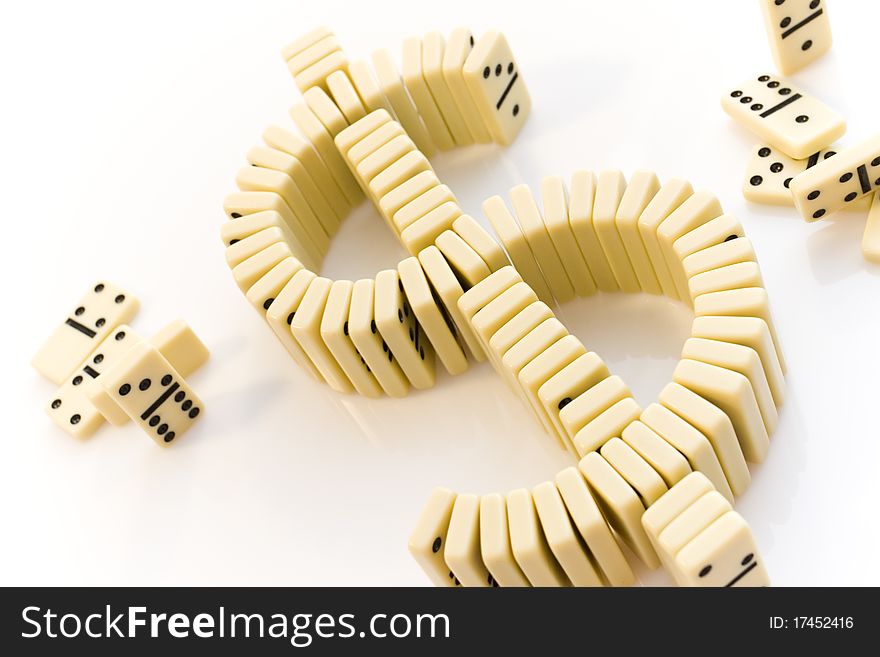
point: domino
(438, 327)
(410, 165)
(151, 392)
(642, 188)
(605, 426)
(270, 158)
(666, 461)
(305, 325)
(871, 237)
(428, 538)
(731, 277)
(460, 45)
(336, 335)
(407, 191)
(676, 501)
(250, 246)
(70, 408)
(535, 233)
(418, 207)
(315, 132)
(580, 217)
(743, 302)
(798, 30)
(243, 204)
(462, 552)
(610, 189)
(95, 316)
(690, 522)
(487, 290)
(305, 41)
(371, 142)
(423, 232)
(493, 78)
(383, 157)
(770, 172)
(360, 130)
(345, 96)
(433, 50)
(713, 423)
(692, 213)
(783, 115)
(497, 312)
(419, 92)
(535, 342)
(638, 473)
(751, 332)
(529, 544)
(181, 347)
(587, 406)
(467, 265)
(263, 292)
(236, 230)
(392, 85)
(368, 89)
(553, 196)
(723, 554)
(514, 330)
(495, 548)
(253, 268)
(619, 504)
(313, 57)
(401, 331)
(567, 384)
(295, 146)
(565, 542)
(720, 255)
(741, 359)
(366, 338)
(672, 194)
(517, 247)
(481, 242)
(448, 289)
(591, 525)
(690, 442)
(837, 182)
(280, 314)
(721, 229)
(541, 369)
(731, 392)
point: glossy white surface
(123, 129)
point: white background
(122, 129)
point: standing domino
(783, 115)
(497, 87)
(798, 30)
(100, 311)
(839, 181)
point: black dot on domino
(812, 196)
(154, 420)
(79, 311)
(145, 384)
(497, 70)
(163, 429)
(773, 84)
(74, 419)
(776, 167)
(56, 403)
(267, 303)
(786, 182)
(706, 569)
(784, 91)
(373, 326)
(169, 437)
(487, 72)
(101, 321)
(785, 21)
(736, 94)
(846, 177)
(875, 162)
(231, 242)
(850, 197)
(345, 328)
(755, 181)
(400, 315)
(472, 41)
(166, 380)
(763, 78)
(510, 68)
(77, 380)
(818, 214)
(235, 215)
(745, 100)
(119, 298)
(731, 237)
(290, 318)
(803, 118)
(814, 4)
(124, 389)
(186, 405)
(807, 45)
(516, 109)
(565, 402)
(120, 336)
(194, 412)
(99, 288)
(179, 396)
(435, 548)
(757, 107)
(764, 152)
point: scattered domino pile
(106, 371)
(798, 165)
(367, 132)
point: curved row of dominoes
(457, 287)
